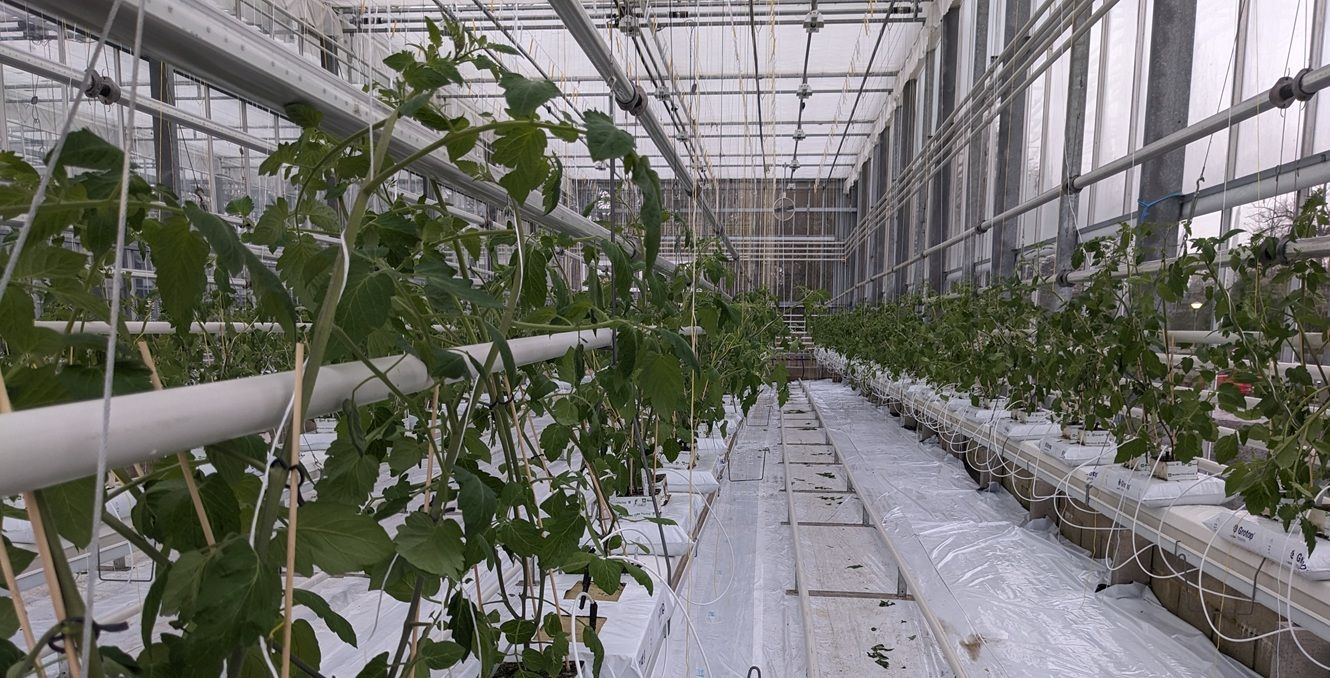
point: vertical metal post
(881, 235)
(940, 223)
(975, 184)
(923, 203)
(1315, 58)
(1011, 159)
(905, 116)
(1168, 99)
(161, 86)
(1238, 76)
(1073, 149)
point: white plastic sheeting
(735, 609)
(1031, 596)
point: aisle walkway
(748, 601)
(1015, 599)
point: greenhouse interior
(664, 339)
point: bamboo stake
(20, 610)
(186, 467)
(293, 482)
(430, 450)
(44, 551)
(48, 571)
(431, 447)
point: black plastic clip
(298, 468)
(500, 403)
(55, 641)
(754, 672)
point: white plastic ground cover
(735, 608)
(1147, 490)
(1030, 595)
(733, 611)
(1266, 537)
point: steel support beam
(1311, 112)
(1011, 159)
(787, 75)
(630, 97)
(202, 38)
(165, 143)
(1078, 78)
(410, 26)
(905, 122)
(1167, 103)
(940, 217)
(976, 174)
(701, 92)
(65, 76)
(923, 199)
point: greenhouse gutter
(202, 39)
(50, 445)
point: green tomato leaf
(433, 547)
(68, 507)
(180, 256)
(304, 115)
(320, 607)
(85, 150)
(224, 596)
(604, 140)
(337, 539)
(440, 654)
(662, 382)
(524, 95)
(367, 301)
(477, 501)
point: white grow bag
(1138, 486)
(1267, 538)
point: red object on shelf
(1224, 378)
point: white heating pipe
(154, 327)
(50, 445)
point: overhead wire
(128, 130)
